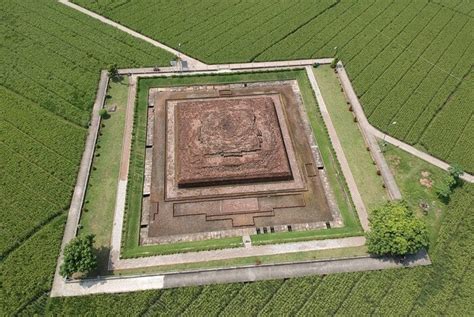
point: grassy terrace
(98, 211)
(416, 179)
(258, 260)
(130, 242)
(352, 141)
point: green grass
(99, 203)
(130, 245)
(331, 164)
(408, 170)
(406, 58)
(51, 58)
(297, 236)
(181, 247)
(267, 259)
(442, 289)
(352, 141)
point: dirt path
(192, 62)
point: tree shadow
(117, 79)
(102, 255)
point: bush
(103, 113)
(334, 62)
(113, 72)
(445, 188)
(456, 172)
(79, 256)
(395, 230)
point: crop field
(406, 58)
(410, 62)
(50, 61)
(442, 289)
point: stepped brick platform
(229, 140)
(229, 157)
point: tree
(456, 172)
(103, 113)
(444, 187)
(395, 230)
(113, 72)
(79, 256)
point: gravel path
(192, 63)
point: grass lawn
(416, 179)
(295, 236)
(352, 141)
(98, 211)
(268, 259)
(181, 247)
(130, 243)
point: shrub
(456, 171)
(445, 188)
(113, 72)
(103, 113)
(395, 230)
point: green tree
(456, 171)
(79, 256)
(395, 230)
(113, 72)
(444, 187)
(103, 113)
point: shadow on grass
(117, 79)
(102, 254)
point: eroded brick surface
(229, 140)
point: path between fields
(366, 126)
(192, 62)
